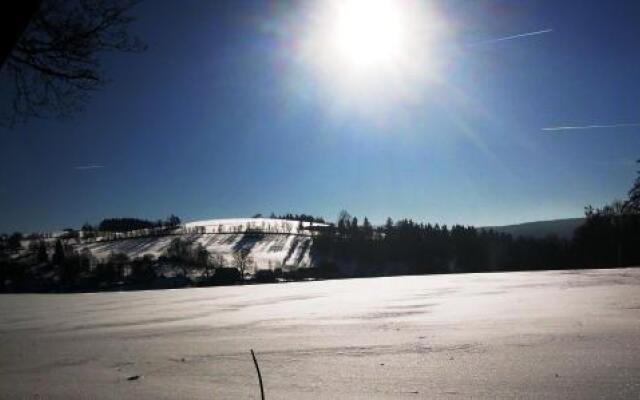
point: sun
(368, 33)
(369, 38)
(369, 54)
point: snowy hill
(272, 243)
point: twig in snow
(259, 376)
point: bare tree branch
(54, 67)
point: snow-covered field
(538, 335)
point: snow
(271, 225)
(268, 251)
(272, 243)
(551, 335)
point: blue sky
(221, 118)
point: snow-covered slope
(272, 243)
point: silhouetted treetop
(294, 217)
(124, 224)
(632, 205)
(54, 66)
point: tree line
(60, 266)
(294, 217)
(108, 226)
(132, 224)
(610, 237)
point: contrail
(85, 167)
(518, 36)
(584, 127)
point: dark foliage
(14, 241)
(43, 256)
(264, 276)
(610, 237)
(105, 274)
(58, 253)
(132, 224)
(297, 217)
(191, 257)
(605, 240)
(124, 224)
(70, 233)
(143, 270)
(172, 221)
(73, 268)
(15, 277)
(226, 276)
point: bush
(226, 276)
(264, 276)
(329, 270)
(14, 277)
(14, 242)
(111, 271)
(143, 270)
(304, 273)
(74, 266)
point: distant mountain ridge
(563, 228)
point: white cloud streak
(86, 167)
(512, 37)
(586, 127)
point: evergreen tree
(142, 270)
(87, 227)
(344, 222)
(118, 261)
(633, 204)
(173, 221)
(388, 225)
(43, 257)
(58, 253)
(14, 241)
(367, 229)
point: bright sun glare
(369, 33)
(371, 51)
